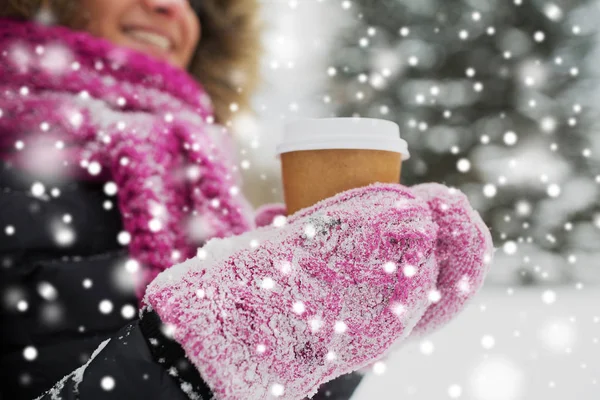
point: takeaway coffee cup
(323, 157)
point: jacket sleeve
(341, 388)
(124, 368)
(63, 278)
(142, 362)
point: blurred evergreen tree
(490, 95)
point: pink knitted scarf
(75, 106)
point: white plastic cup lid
(343, 133)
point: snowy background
(533, 331)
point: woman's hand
(280, 310)
(460, 266)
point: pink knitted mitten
(276, 312)
(462, 235)
(265, 215)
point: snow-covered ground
(533, 344)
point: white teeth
(152, 38)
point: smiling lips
(152, 38)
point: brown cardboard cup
(323, 157)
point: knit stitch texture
(74, 105)
(278, 311)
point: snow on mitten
(464, 252)
(267, 214)
(276, 312)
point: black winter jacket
(63, 294)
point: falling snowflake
(30, 353)
(105, 306)
(389, 267)
(464, 285)
(168, 330)
(510, 247)
(539, 36)
(310, 231)
(340, 327)
(277, 390)
(315, 324)
(132, 266)
(155, 225)
(56, 59)
(268, 283)
(549, 296)
(488, 342)
(128, 311)
(38, 189)
(489, 190)
(201, 254)
(279, 221)
(398, 309)
(107, 383)
(64, 236)
(124, 238)
(454, 391)
(463, 165)
(47, 291)
(299, 307)
(426, 347)
(510, 138)
(553, 11)
(434, 296)
(110, 188)
(94, 168)
(379, 368)
(22, 305)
